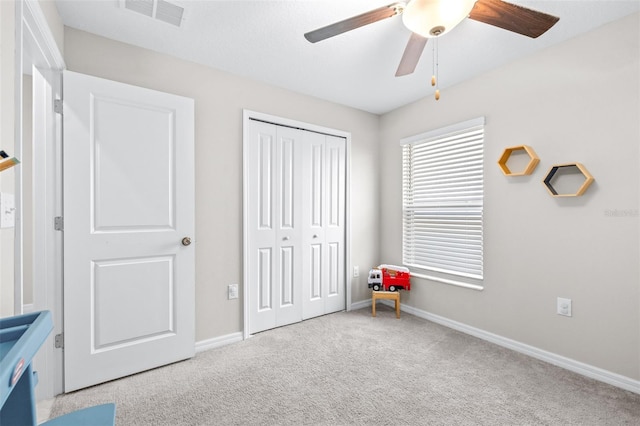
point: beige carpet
(351, 369)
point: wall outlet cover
(563, 306)
(232, 291)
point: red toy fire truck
(389, 278)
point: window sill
(476, 287)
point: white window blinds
(442, 189)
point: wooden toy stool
(392, 295)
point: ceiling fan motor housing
(433, 18)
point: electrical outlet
(356, 272)
(564, 307)
(232, 291)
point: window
(442, 195)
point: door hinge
(59, 341)
(58, 223)
(57, 106)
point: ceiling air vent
(169, 13)
(157, 9)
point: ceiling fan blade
(354, 22)
(411, 54)
(512, 17)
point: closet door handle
(315, 236)
(285, 239)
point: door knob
(186, 241)
(285, 239)
(315, 236)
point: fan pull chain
(436, 78)
(433, 64)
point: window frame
(474, 279)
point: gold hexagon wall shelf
(504, 158)
(551, 174)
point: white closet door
(335, 158)
(314, 255)
(273, 215)
(296, 183)
(323, 224)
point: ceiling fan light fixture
(433, 18)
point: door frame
(247, 116)
(34, 40)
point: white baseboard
(216, 342)
(361, 304)
(587, 370)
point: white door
(128, 203)
(323, 216)
(334, 237)
(295, 223)
(274, 155)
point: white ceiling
(263, 40)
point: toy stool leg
(373, 305)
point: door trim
(34, 36)
(247, 116)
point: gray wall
(575, 102)
(219, 100)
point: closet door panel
(286, 278)
(313, 218)
(286, 179)
(315, 272)
(288, 295)
(316, 194)
(334, 269)
(261, 221)
(334, 229)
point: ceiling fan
(433, 18)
